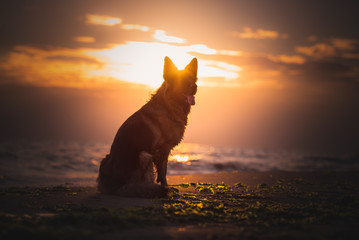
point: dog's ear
(192, 67)
(169, 69)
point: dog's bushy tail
(104, 179)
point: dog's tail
(105, 179)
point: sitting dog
(145, 140)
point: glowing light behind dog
(123, 62)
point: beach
(248, 109)
(225, 205)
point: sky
(272, 74)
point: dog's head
(181, 84)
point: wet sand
(262, 205)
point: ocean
(51, 163)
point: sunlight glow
(102, 20)
(135, 62)
(142, 62)
(139, 62)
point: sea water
(49, 162)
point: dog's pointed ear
(192, 67)
(169, 69)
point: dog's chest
(167, 131)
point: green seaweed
(258, 209)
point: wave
(59, 162)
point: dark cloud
(335, 71)
(326, 72)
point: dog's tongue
(190, 100)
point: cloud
(248, 33)
(50, 67)
(344, 43)
(73, 59)
(84, 39)
(163, 37)
(202, 49)
(312, 38)
(326, 71)
(84, 67)
(319, 50)
(230, 52)
(332, 60)
(135, 27)
(95, 19)
(296, 59)
(334, 47)
(217, 69)
(354, 56)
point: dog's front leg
(161, 160)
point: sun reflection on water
(179, 158)
(189, 153)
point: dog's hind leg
(145, 171)
(142, 181)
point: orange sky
(268, 76)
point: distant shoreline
(229, 178)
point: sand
(246, 205)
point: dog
(145, 140)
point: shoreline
(230, 177)
(239, 204)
